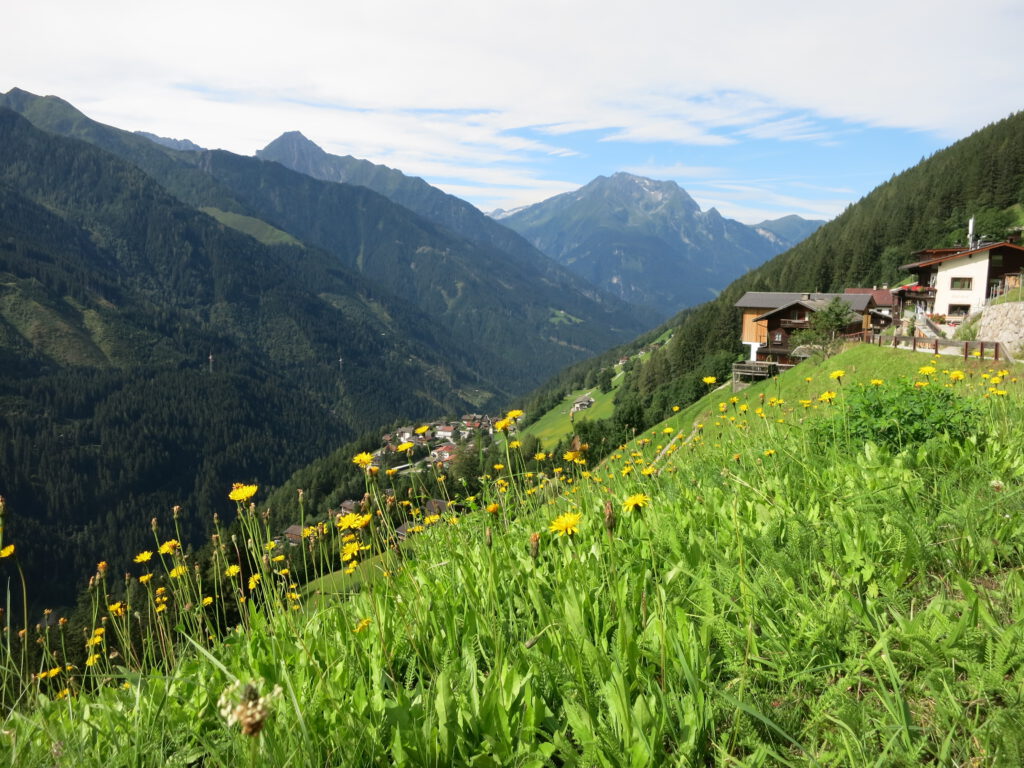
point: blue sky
(758, 109)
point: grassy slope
(554, 425)
(256, 228)
(783, 597)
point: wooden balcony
(787, 323)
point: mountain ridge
(647, 240)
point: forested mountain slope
(517, 314)
(151, 355)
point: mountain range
(648, 241)
(172, 321)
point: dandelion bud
(175, 511)
(487, 537)
(302, 493)
(609, 518)
(252, 507)
(216, 519)
(266, 515)
(152, 524)
(534, 545)
(3, 507)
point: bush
(901, 414)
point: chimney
(805, 296)
(970, 233)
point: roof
(858, 303)
(939, 255)
(882, 296)
(772, 299)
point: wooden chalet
(770, 319)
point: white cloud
(456, 85)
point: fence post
(965, 350)
(913, 344)
(982, 351)
(997, 352)
(936, 346)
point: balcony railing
(786, 323)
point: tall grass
(752, 585)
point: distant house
(443, 453)
(957, 282)
(293, 534)
(581, 403)
(445, 431)
(769, 318)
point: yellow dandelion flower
(838, 374)
(7, 551)
(169, 547)
(241, 492)
(232, 570)
(926, 370)
(566, 524)
(91, 661)
(422, 429)
(207, 600)
(406, 446)
(540, 456)
(144, 578)
(502, 424)
(493, 508)
(363, 624)
(710, 379)
(94, 640)
(513, 415)
(254, 580)
(143, 557)
(178, 571)
(636, 501)
(877, 382)
(363, 459)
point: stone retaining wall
(1005, 323)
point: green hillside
(835, 582)
(255, 228)
(925, 206)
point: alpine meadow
(307, 462)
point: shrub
(906, 413)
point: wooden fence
(979, 350)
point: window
(960, 284)
(959, 309)
(778, 338)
